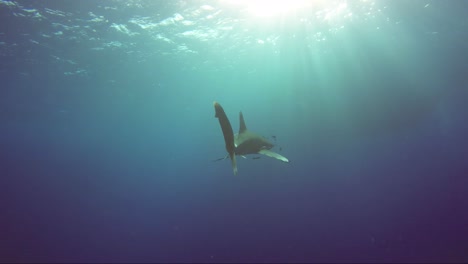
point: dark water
(107, 131)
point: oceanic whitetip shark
(245, 142)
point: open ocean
(109, 141)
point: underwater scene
(233, 131)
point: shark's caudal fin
(272, 154)
(242, 127)
(227, 133)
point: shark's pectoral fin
(234, 163)
(227, 133)
(272, 154)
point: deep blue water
(108, 134)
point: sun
(270, 8)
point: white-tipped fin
(272, 154)
(234, 164)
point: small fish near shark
(245, 142)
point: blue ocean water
(108, 134)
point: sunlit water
(108, 134)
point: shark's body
(245, 142)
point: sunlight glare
(269, 8)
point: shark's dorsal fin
(242, 127)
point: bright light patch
(334, 14)
(268, 8)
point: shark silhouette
(245, 142)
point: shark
(245, 141)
